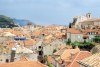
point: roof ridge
(75, 58)
(25, 59)
(85, 51)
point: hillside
(22, 22)
(7, 22)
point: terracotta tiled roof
(92, 61)
(45, 32)
(72, 62)
(95, 49)
(78, 56)
(59, 52)
(88, 30)
(30, 42)
(62, 47)
(9, 30)
(47, 41)
(23, 64)
(49, 36)
(24, 59)
(10, 44)
(17, 32)
(73, 31)
(67, 53)
(59, 35)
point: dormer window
(40, 52)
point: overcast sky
(49, 11)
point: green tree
(76, 43)
(54, 50)
(96, 39)
(7, 22)
(68, 42)
(49, 64)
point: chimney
(72, 55)
(13, 51)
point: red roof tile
(79, 56)
(23, 64)
(73, 31)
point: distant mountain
(22, 22)
(7, 22)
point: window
(7, 60)
(40, 52)
(39, 47)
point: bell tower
(88, 15)
(40, 54)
